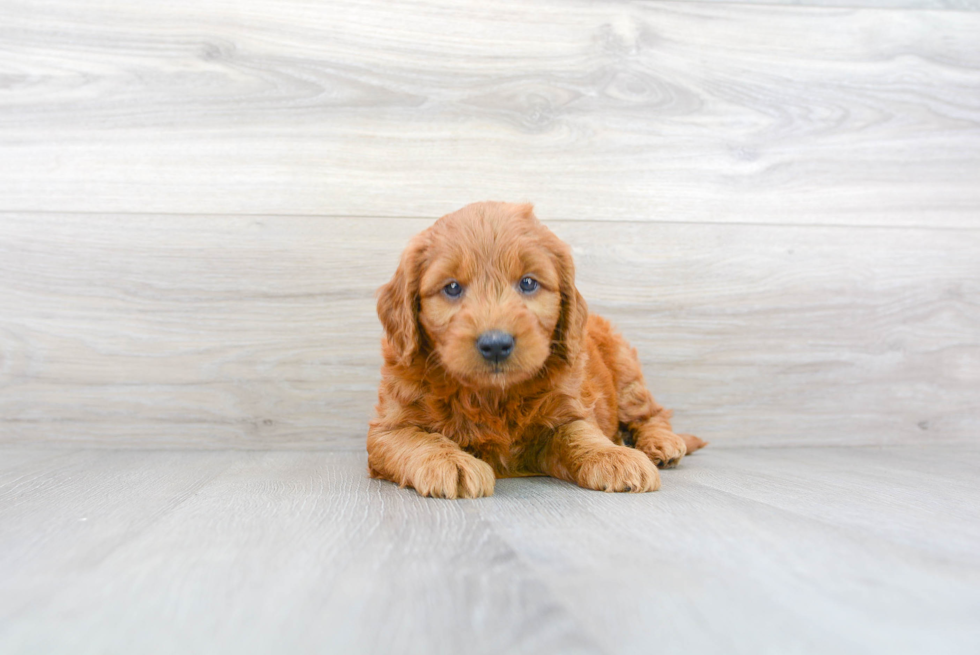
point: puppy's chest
(490, 429)
(500, 435)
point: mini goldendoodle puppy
(493, 367)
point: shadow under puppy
(493, 367)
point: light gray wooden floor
(745, 550)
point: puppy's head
(489, 292)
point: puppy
(494, 368)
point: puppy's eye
(453, 289)
(528, 284)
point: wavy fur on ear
(574, 310)
(398, 304)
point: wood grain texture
(750, 554)
(259, 332)
(616, 110)
(806, 550)
(283, 552)
(91, 504)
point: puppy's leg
(647, 422)
(655, 437)
(428, 462)
(579, 452)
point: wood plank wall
(778, 204)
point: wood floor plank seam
(530, 573)
(158, 516)
(310, 555)
(848, 532)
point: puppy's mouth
(497, 371)
(500, 374)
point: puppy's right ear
(398, 303)
(574, 310)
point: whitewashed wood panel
(258, 332)
(950, 5)
(803, 550)
(671, 111)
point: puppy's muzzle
(495, 346)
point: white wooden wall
(778, 204)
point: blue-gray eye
(453, 289)
(528, 284)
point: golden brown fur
(450, 421)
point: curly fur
(448, 422)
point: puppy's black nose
(495, 346)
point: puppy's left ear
(574, 310)
(398, 303)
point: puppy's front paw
(454, 475)
(618, 469)
(662, 446)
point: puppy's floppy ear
(574, 311)
(398, 303)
